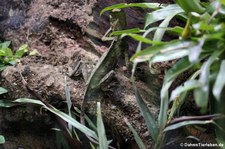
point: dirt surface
(66, 34)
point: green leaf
(20, 52)
(68, 101)
(8, 52)
(149, 119)
(13, 62)
(2, 68)
(7, 103)
(220, 82)
(2, 139)
(5, 45)
(127, 31)
(170, 55)
(180, 66)
(185, 123)
(90, 123)
(142, 39)
(201, 94)
(191, 6)
(34, 52)
(147, 53)
(125, 5)
(2, 52)
(161, 14)
(2, 90)
(188, 85)
(222, 1)
(62, 115)
(160, 32)
(103, 144)
(164, 103)
(195, 51)
(135, 134)
(176, 30)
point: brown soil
(65, 33)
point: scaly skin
(108, 60)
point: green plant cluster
(8, 57)
(199, 49)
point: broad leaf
(4, 45)
(21, 51)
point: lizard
(107, 61)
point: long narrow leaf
(161, 14)
(195, 51)
(201, 94)
(89, 121)
(68, 101)
(160, 32)
(103, 144)
(188, 85)
(135, 134)
(185, 123)
(127, 31)
(220, 82)
(149, 119)
(142, 39)
(125, 5)
(147, 53)
(7, 103)
(62, 115)
(170, 55)
(181, 66)
(164, 103)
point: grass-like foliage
(8, 58)
(96, 133)
(199, 48)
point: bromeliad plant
(199, 49)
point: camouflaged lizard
(108, 60)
